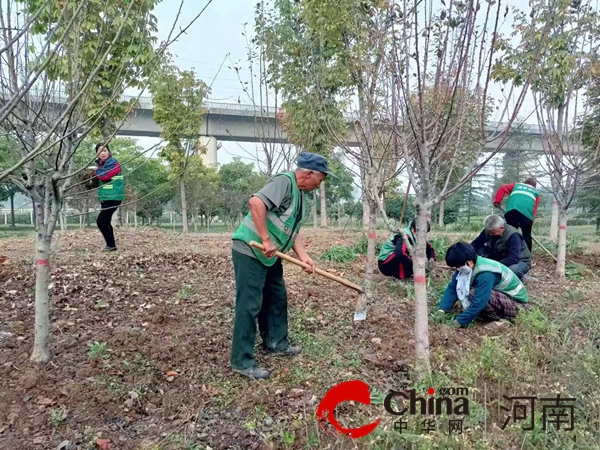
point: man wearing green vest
(276, 214)
(485, 288)
(522, 205)
(503, 243)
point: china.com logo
(407, 402)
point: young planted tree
(297, 63)
(273, 154)
(559, 43)
(55, 57)
(349, 40)
(177, 97)
(440, 62)
(58, 49)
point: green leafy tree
(203, 185)
(177, 97)
(127, 30)
(299, 69)
(8, 157)
(65, 47)
(239, 181)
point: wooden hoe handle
(340, 280)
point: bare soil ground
(123, 322)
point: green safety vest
(113, 189)
(509, 283)
(282, 228)
(522, 198)
(388, 246)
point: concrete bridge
(249, 123)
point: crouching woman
(485, 288)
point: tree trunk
(339, 214)
(120, 216)
(554, 222)
(135, 218)
(41, 346)
(195, 222)
(208, 220)
(315, 216)
(441, 218)
(562, 244)
(422, 364)
(371, 241)
(184, 217)
(63, 221)
(366, 214)
(87, 213)
(12, 210)
(323, 206)
(470, 197)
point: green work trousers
(260, 295)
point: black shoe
(254, 372)
(290, 351)
(110, 249)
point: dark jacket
(398, 262)
(508, 249)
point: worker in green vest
(111, 193)
(276, 214)
(485, 288)
(522, 205)
(395, 259)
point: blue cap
(312, 161)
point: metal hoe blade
(360, 313)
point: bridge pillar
(209, 151)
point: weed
(440, 244)
(362, 246)
(575, 271)
(98, 350)
(534, 321)
(142, 363)
(57, 416)
(101, 304)
(574, 295)
(340, 254)
(573, 244)
(493, 356)
(288, 438)
(184, 292)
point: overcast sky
(214, 41)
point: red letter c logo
(356, 391)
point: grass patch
(575, 271)
(340, 253)
(362, 245)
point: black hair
(458, 254)
(102, 145)
(413, 225)
(531, 182)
